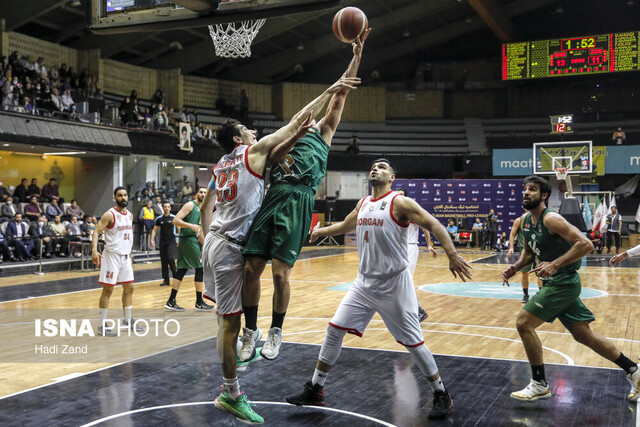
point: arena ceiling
(407, 34)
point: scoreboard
(605, 53)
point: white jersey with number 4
(382, 240)
(239, 194)
(119, 237)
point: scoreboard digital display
(570, 56)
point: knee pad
(332, 345)
(199, 275)
(180, 274)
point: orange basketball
(349, 23)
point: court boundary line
(257, 402)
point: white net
(561, 174)
(233, 40)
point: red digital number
(560, 127)
(561, 62)
(231, 191)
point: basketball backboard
(576, 156)
(126, 16)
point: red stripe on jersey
(411, 346)
(114, 220)
(382, 197)
(364, 202)
(237, 313)
(124, 283)
(391, 212)
(349, 330)
(246, 162)
(108, 284)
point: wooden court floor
(457, 325)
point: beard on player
(122, 203)
(529, 203)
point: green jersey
(192, 218)
(549, 247)
(306, 164)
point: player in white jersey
(383, 284)
(236, 191)
(413, 238)
(115, 260)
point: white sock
(127, 313)
(425, 361)
(232, 387)
(437, 385)
(319, 377)
(103, 315)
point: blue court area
(366, 388)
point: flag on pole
(597, 216)
(586, 213)
(605, 211)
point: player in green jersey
(282, 224)
(189, 251)
(516, 233)
(556, 249)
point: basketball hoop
(561, 173)
(233, 40)
(564, 182)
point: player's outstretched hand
(508, 274)
(433, 251)
(344, 83)
(545, 269)
(618, 259)
(306, 126)
(314, 233)
(358, 45)
(459, 267)
(96, 257)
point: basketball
(349, 23)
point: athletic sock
(127, 313)
(199, 299)
(437, 385)
(103, 315)
(319, 377)
(538, 374)
(277, 319)
(625, 363)
(173, 295)
(232, 387)
(251, 317)
(526, 291)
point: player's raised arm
(349, 224)
(408, 209)
(330, 121)
(105, 222)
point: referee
(167, 242)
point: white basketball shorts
(223, 265)
(115, 269)
(413, 252)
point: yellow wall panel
(53, 53)
(414, 104)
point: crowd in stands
(35, 219)
(35, 88)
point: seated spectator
(33, 190)
(503, 242)
(59, 234)
(68, 104)
(4, 248)
(41, 234)
(160, 119)
(50, 191)
(354, 145)
(157, 206)
(158, 97)
(32, 210)
(9, 210)
(4, 193)
(478, 229)
(53, 209)
(74, 234)
(147, 216)
(187, 192)
(74, 209)
(17, 233)
(56, 100)
(21, 192)
(597, 239)
(89, 226)
(452, 229)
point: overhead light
(203, 168)
(66, 153)
(406, 33)
(75, 3)
(559, 9)
(19, 153)
(300, 46)
(5, 145)
(178, 167)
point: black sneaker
(525, 299)
(173, 306)
(203, 306)
(422, 315)
(442, 405)
(165, 283)
(312, 395)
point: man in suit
(41, 233)
(4, 248)
(9, 209)
(17, 234)
(53, 209)
(21, 192)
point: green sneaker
(242, 366)
(239, 408)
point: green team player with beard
(556, 248)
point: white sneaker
(271, 346)
(106, 332)
(634, 380)
(534, 391)
(249, 340)
(138, 327)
